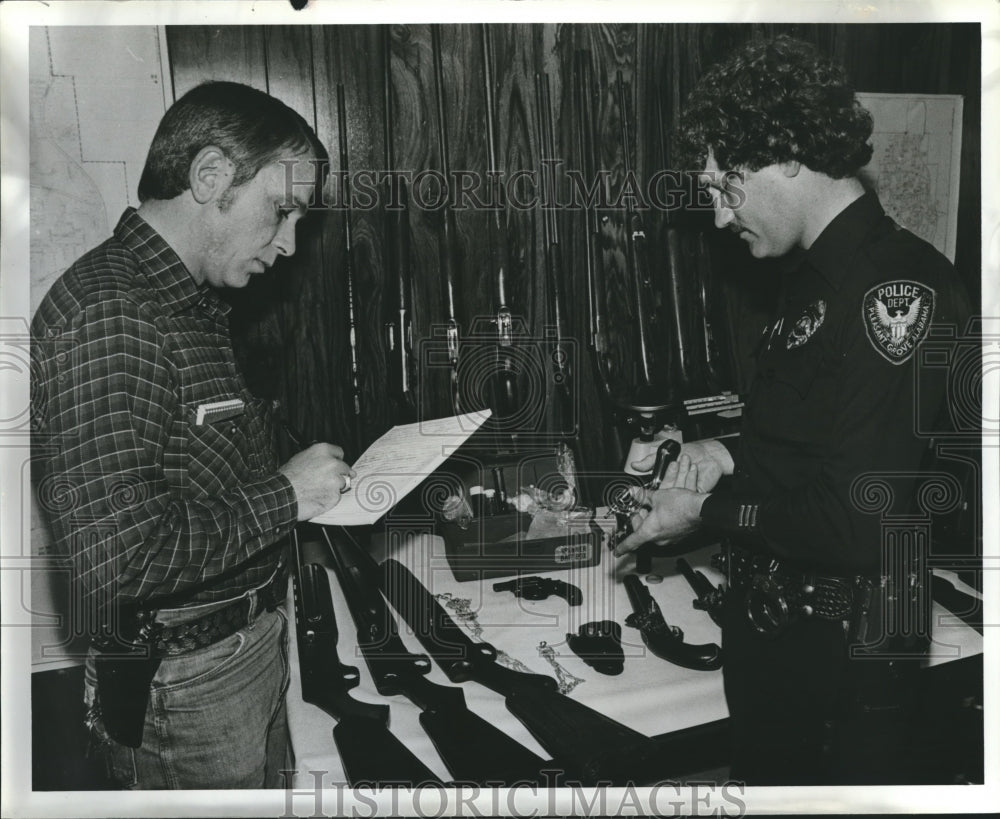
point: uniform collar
(169, 277)
(836, 245)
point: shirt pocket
(228, 450)
(791, 404)
(794, 370)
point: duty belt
(777, 594)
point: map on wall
(915, 164)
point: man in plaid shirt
(157, 467)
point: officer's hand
(317, 474)
(671, 512)
(710, 457)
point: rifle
(473, 749)
(399, 316)
(635, 249)
(583, 92)
(665, 641)
(550, 232)
(349, 265)
(449, 230)
(370, 754)
(584, 743)
(508, 401)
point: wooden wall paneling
(199, 53)
(302, 290)
(289, 62)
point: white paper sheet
(396, 463)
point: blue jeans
(215, 718)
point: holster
(125, 664)
(123, 685)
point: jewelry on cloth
(462, 609)
(567, 681)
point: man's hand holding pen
(319, 476)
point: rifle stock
(368, 751)
(473, 749)
(587, 745)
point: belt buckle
(767, 606)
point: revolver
(539, 588)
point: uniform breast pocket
(792, 402)
(795, 371)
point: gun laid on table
(587, 745)
(665, 641)
(369, 753)
(709, 596)
(473, 749)
(540, 588)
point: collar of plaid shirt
(165, 510)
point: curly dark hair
(775, 101)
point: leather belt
(158, 639)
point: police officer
(780, 138)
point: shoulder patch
(897, 316)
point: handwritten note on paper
(396, 463)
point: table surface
(651, 695)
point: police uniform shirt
(833, 405)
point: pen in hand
(297, 438)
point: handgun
(709, 596)
(539, 588)
(663, 640)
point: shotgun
(368, 751)
(587, 745)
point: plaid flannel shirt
(146, 501)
